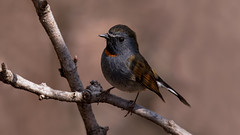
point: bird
(126, 69)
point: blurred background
(193, 45)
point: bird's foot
(130, 108)
(104, 93)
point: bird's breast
(118, 74)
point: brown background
(193, 45)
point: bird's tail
(163, 84)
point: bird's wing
(142, 73)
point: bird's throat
(109, 53)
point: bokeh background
(193, 45)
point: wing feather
(143, 73)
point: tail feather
(161, 83)
(184, 101)
(160, 95)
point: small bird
(125, 68)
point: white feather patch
(169, 89)
(160, 84)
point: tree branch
(68, 66)
(92, 94)
(42, 90)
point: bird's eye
(121, 39)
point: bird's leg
(108, 90)
(131, 106)
(103, 93)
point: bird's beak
(106, 36)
